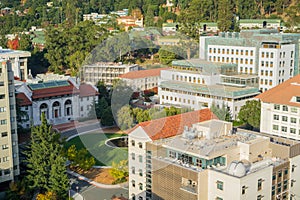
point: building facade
(212, 161)
(271, 55)
(106, 72)
(9, 155)
(198, 84)
(143, 79)
(280, 108)
(138, 157)
(18, 61)
(61, 101)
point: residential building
(280, 108)
(18, 61)
(97, 18)
(169, 40)
(106, 72)
(271, 55)
(260, 23)
(198, 84)
(9, 155)
(62, 101)
(129, 21)
(153, 130)
(210, 160)
(143, 79)
(209, 27)
(169, 27)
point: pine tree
(46, 165)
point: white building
(198, 84)
(9, 152)
(62, 101)
(151, 131)
(267, 53)
(106, 72)
(143, 79)
(280, 108)
(260, 23)
(18, 61)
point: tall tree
(250, 113)
(46, 165)
(225, 15)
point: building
(62, 101)
(143, 79)
(271, 55)
(129, 21)
(9, 155)
(168, 28)
(198, 84)
(18, 61)
(97, 18)
(211, 161)
(152, 131)
(106, 72)
(280, 108)
(209, 27)
(260, 23)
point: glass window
(259, 184)
(293, 120)
(275, 127)
(284, 118)
(220, 185)
(293, 130)
(276, 117)
(284, 129)
(284, 108)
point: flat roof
(216, 90)
(9, 52)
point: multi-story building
(158, 129)
(280, 108)
(210, 160)
(198, 84)
(106, 72)
(271, 55)
(9, 156)
(143, 79)
(62, 101)
(18, 61)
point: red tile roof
(142, 73)
(174, 125)
(87, 90)
(23, 100)
(283, 93)
(55, 91)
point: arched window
(68, 107)
(56, 109)
(44, 109)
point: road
(90, 192)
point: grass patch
(95, 144)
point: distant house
(169, 27)
(209, 27)
(260, 23)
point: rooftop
(284, 93)
(23, 100)
(142, 73)
(216, 90)
(173, 125)
(9, 52)
(260, 21)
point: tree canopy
(250, 113)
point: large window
(277, 107)
(276, 117)
(293, 120)
(284, 118)
(284, 108)
(259, 184)
(220, 185)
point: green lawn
(95, 144)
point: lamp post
(70, 189)
(77, 188)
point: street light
(70, 189)
(77, 188)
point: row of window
(140, 184)
(231, 51)
(285, 129)
(179, 99)
(266, 82)
(140, 157)
(188, 79)
(230, 60)
(133, 171)
(292, 120)
(284, 108)
(4, 159)
(267, 54)
(245, 70)
(139, 144)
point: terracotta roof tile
(87, 90)
(142, 73)
(174, 125)
(23, 100)
(283, 93)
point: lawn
(95, 144)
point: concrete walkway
(76, 196)
(99, 185)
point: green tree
(83, 160)
(119, 171)
(250, 113)
(225, 15)
(46, 165)
(107, 118)
(25, 43)
(125, 118)
(223, 112)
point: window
(276, 117)
(140, 145)
(220, 185)
(3, 121)
(293, 130)
(259, 197)
(293, 120)
(133, 183)
(133, 156)
(284, 129)
(259, 184)
(284, 108)
(141, 186)
(279, 174)
(275, 127)
(286, 171)
(140, 158)
(5, 159)
(140, 172)
(133, 170)
(284, 118)
(219, 198)
(132, 143)
(5, 146)
(4, 134)
(2, 109)
(244, 189)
